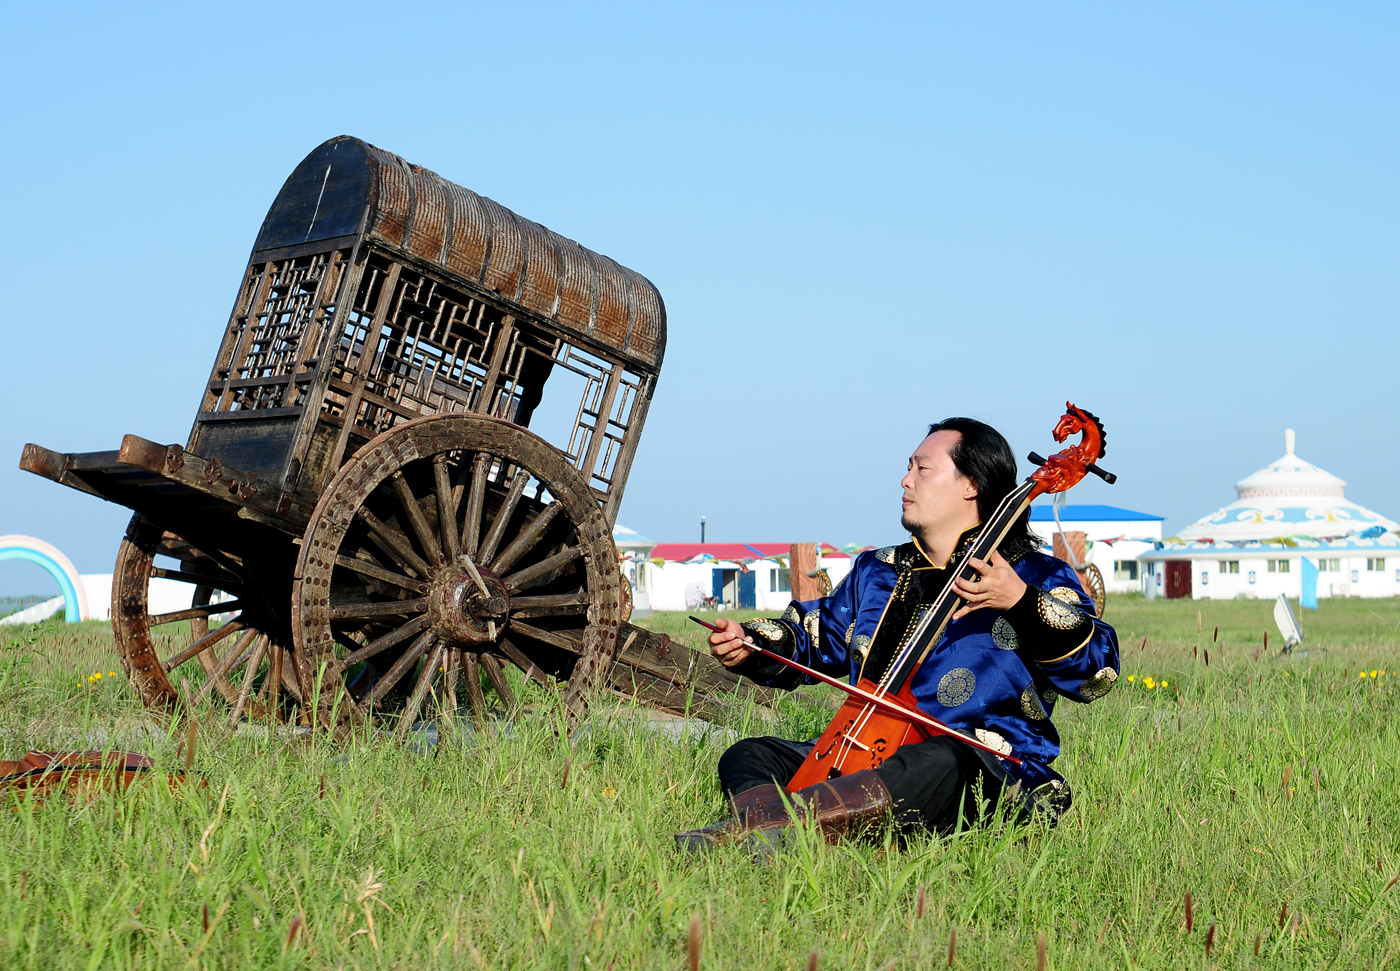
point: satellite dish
(1287, 623)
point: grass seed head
(919, 903)
(1040, 955)
(812, 961)
(293, 931)
(1210, 937)
(952, 945)
(694, 942)
(1190, 916)
(1258, 940)
(1282, 914)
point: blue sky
(862, 220)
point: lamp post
(702, 530)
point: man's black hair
(984, 456)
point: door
(726, 583)
(1178, 578)
(748, 587)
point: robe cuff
(775, 636)
(1048, 628)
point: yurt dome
(1288, 498)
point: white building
(726, 576)
(1290, 519)
(1114, 539)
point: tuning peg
(1108, 477)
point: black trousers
(934, 784)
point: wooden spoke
(250, 675)
(497, 675)
(550, 637)
(498, 525)
(527, 539)
(387, 608)
(274, 680)
(550, 605)
(454, 672)
(420, 691)
(291, 680)
(227, 663)
(377, 646)
(201, 644)
(471, 524)
(520, 660)
(447, 509)
(396, 543)
(578, 598)
(368, 569)
(199, 580)
(414, 512)
(395, 673)
(533, 575)
(476, 699)
(155, 620)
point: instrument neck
(931, 625)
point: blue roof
(1092, 513)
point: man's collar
(959, 548)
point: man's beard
(908, 525)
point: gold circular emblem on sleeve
(861, 644)
(769, 629)
(1004, 635)
(1099, 685)
(956, 687)
(1057, 613)
(993, 741)
(1030, 704)
(812, 623)
(1066, 594)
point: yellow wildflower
(1132, 677)
(609, 793)
(1362, 674)
(1373, 672)
(1164, 684)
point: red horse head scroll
(1065, 468)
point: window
(1329, 566)
(780, 581)
(1278, 566)
(1374, 565)
(1229, 566)
(1125, 570)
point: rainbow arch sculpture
(51, 558)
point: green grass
(488, 859)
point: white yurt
(1287, 513)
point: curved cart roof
(346, 187)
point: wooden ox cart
(362, 496)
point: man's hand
(998, 587)
(727, 643)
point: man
(1026, 637)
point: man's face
(936, 496)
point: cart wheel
(177, 660)
(444, 547)
(1092, 581)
